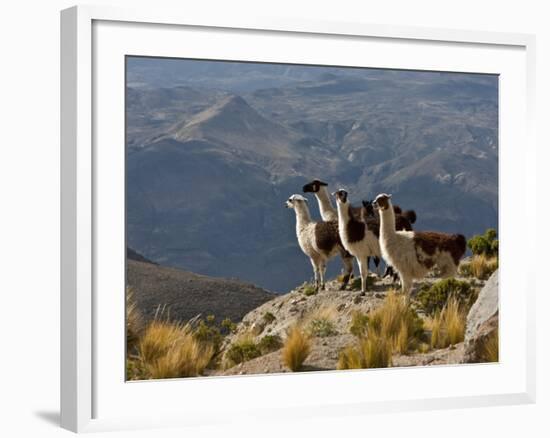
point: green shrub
(321, 328)
(268, 317)
(242, 350)
(359, 324)
(309, 290)
(486, 244)
(229, 325)
(270, 343)
(208, 333)
(433, 298)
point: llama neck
(387, 222)
(302, 215)
(343, 213)
(328, 212)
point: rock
(482, 321)
(257, 328)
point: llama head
(368, 208)
(382, 201)
(341, 196)
(314, 186)
(295, 200)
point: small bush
(448, 326)
(242, 350)
(270, 343)
(296, 348)
(268, 317)
(322, 328)
(372, 352)
(309, 290)
(208, 333)
(359, 324)
(433, 298)
(465, 268)
(229, 326)
(169, 350)
(486, 244)
(320, 322)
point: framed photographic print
(288, 207)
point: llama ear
(389, 196)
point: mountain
(209, 168)
(185, 295)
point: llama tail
(410, 215)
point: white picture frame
(91, 254)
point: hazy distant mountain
(208, 169)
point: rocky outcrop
(276, 316)
(482, 322)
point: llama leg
(447, 268)
(406, 285)
(377, 265)
(364, 270)
(348, 271)
(315, 273)
(322, 271)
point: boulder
(482, 321)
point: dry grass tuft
(483, 266)
(296, 348)
(480, 266)
(396, 322)
(169, 350)
(134, 320)
(489, 349)
(447, 326)
(372, 352)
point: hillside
(186, 295)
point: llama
(319, 188)
(403, 219)
(319, 241)
(403, 222)
(356, 236)
(412, 253)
